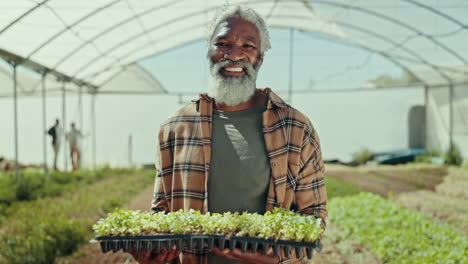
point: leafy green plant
(280, 224)
(453, 156)
(337, 188)
(397, 234)
(362, 156)
(34, 185)
(41, 239)
(428, 158)
(39, 231)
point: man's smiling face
(235, 40)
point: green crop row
(337, 188)
(33, 184)
(38, 231)
(396, 234)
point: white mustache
(249, 69)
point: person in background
(73, 137)
(55, 132)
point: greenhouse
(374, 76)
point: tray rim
(316, 243)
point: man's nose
(235, 54)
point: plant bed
(156, 243)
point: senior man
(237, 148)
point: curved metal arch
(397, 22)
(110, 29)
(22, 16)
(139, 35)
(351, 44)
(56, 35)
(437, 12)
(187, 43)
(385, 39)
(378, 15)
(344, 24)
(143, 69)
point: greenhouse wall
(438, 121)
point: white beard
(232, 90)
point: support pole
(426, 116)
(93, 125)
(450, 115)
(291, 48)
(15, 110)
(80, 106)
(64, 127)
(44, 127)
(130, 147)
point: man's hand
(249, 256)
(164, 256)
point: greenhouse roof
(97, 43)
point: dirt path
(92, 254)
(383, 180)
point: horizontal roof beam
(37, 67)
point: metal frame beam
(438, 12)
(44, 126)
(367, 31)
(107, 30)
(419, 59)
(339, 5)
(396, 22)
(69, 27)
(22, 16)
(35, 66)
(15, 112)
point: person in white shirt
(73, 137)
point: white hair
(248, 14)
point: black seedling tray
(157, 242)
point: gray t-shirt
(240, 169)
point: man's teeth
(237, 69)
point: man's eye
(221, 44)
(248, 46)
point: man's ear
(260, 56)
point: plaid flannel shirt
(293, 148)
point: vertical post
(44, 127)
(130, 146)
(426, 116)
(450, 115)
(64, 127)
(15, 110)
(80, 106)
(93, 120)
(291, 47)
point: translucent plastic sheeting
(132, 79)
(29, 82)
(438, 118)
(94, 40)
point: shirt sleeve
(163, 160)
(310, 193)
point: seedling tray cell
(157, 242)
